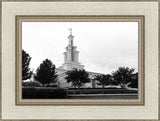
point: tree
(46, 73)
(134, 82)
(26, 73)
(77, 77)
(123, 75)
(103, 79)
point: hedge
(102, 91)
(43, 93)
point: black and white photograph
(80, 60)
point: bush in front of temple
(43, 93)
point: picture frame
(11, 9)
(20, 19)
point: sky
(103, 46)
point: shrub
(100, 91)
(51, 86)
(43, 93)
(60, 93)
(31, 84)
(28, 92)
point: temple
(71, 61)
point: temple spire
(70, 31)
(70, 37)
(71, 56)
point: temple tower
(71, 56)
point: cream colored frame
(97, 108)
(139, 19)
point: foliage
(26, 73)
(46, 73)
(103, 79)
(31, 84)
(102, 91)
(123, 75)
(60, 93)
(77, 77)
(43, 93)
(134, 82)
(113, 82)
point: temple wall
(65, 57)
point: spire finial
(70, 31)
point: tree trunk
(122, 85)
(78, 86)
(103, 86)
(102, 89)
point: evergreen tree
(46, 73)
(26, 73)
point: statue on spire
(70, 31)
